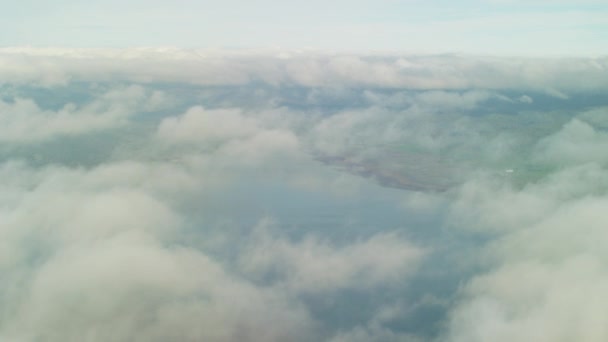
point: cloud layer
(154, 195)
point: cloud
(542, 278)
(200, 125)
(101, 258)
(102, 251)
(525, 99)
(376, 330)
(310, 68)
(453, 101)
(24, 121)
(229, 139)
(559, 284)
(130, 288)
(317, 266)
(576, 143)
(340, 197)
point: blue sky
(503, 27)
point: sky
(496, 27)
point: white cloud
(126, 247)
(228, 139)
(198, 125)
(525, 99)
(317, 266)
(543, 279)
(23, 121)
(131, 288)
(97, 254)
(375, 329)
(576, 143)
(311, 68)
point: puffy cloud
(98, 254)
(103, 251)
(308, 68)
(229, 139)
(541, 277)
(212, 126)
(130, 288)
(577, 142)
(24, 121)
(317, 266)
(149, 231)
(376, 330)
(525, 99)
